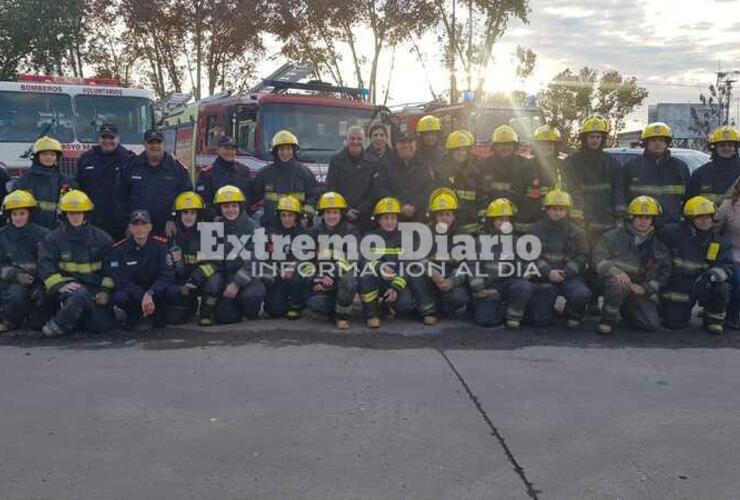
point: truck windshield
(132, 115)
(524, 121)
(321, 130)
(25, 116)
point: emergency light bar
(282, 85)
(101, 82)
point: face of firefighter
(503, 150)
(446, 217)
(703, 222)
(285, 152)
(379, 139)
(388, 222)
(642, 223)
(19, 217)
(501, 223)
(332, 217)
(230, 211)
(227, 153)
(656, 146)
(288, 219)
(460, 154)
(556, 213)
(48, 158)
(76, 219)
(140, 230)
(726, 149)
(154, 151)
(430, 139)
(355, 143)
(594, 140)
(189, 218)
(406, 149)
(108, 143)
(546, 148)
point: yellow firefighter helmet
(504, 135)
(557, 198)
(595, 124)
(443, 201)
(19, 199)
(332, 200)
(699, 205)
(387, 205)
(189, 200)
(75, 201)
(284, 138)
(288, 204)
(501, 207)
(724, 134)
(547, 133)
(47, 143)
(644, 205)
(657, 129)
(458, 139)
(428, 123)
(229, 194)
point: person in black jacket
(497, 171)
(379, 147)
(430, 147)
(561, 264)
(285, 176)
(144, 272)
(351, 173)
(75, 266)
(713, 180)
(97, 175)
(658, 174)
(152, 181)
(408, 179)
(20, 285)
(461, 174)
(45, 182)
(224, 171)
(702, 268)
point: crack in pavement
(532, 492)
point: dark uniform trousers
(540, 309)
(506, 300)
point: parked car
(693, 158)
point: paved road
(287, 410)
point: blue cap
(108, 129)
(153, 135)
(226, 142)
(140, 215)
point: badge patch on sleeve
(713, 251)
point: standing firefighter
(45, 182)
(430, 151)
(633, 265)
(714, 179)
(381, 280)
(462, 176)
(285, 176)
(498, 170)
(658, 174)
(224, 171)
(191, 273)
(498, 295)
(561, 264)
(20, 285)
(74, 264)
(442, 288)
(233, 291)
(335, 284)
(702, 268)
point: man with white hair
(351, 173)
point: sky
(673, 47)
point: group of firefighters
(643, 237)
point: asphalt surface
(277, 409)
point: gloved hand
(703, 284)
(102, 298)
(24, 279)
(187, 288)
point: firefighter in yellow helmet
(443, 289)
(45, 181)
(498, 169)
(702, 268)
(561, 265)
(658, 174)
(633, 265)
(191, 273)
(334, 286)
(500, 295)
(462, 176)
(289, 286)
(430, 149)
(232, 292)
(714, 179)
(20, 285)
(74, 264)
(382, 282)
(285, 176)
